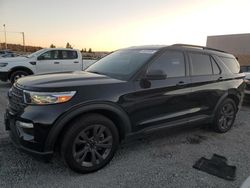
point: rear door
(70, 61)
(165, 100)
(49, 62)
(207, 82)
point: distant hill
(19, 48)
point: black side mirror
(40, 58)
(156, 75)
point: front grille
(16, 99)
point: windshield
(121, 64)
(35, 53)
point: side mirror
(156, 75)
(40, 58)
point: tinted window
(216, 69)
(232, 64)
(121, 64)
(171, 62)
(66, 54)
(201, 64)
(54, 54)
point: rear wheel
(90, 143)
(225, 116)
(16, 75)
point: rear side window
(67, 54)
(232, 64)
(200, 64)
(172, 63)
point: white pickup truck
(49, 60)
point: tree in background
(68, 46)
(90, 50)
(52, 46)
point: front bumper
(4, 76)
(22, 139)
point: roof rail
(196, 46)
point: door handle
(56, 62)
(220, 78)
(76, 61)
(180, 83)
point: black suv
(133, 90)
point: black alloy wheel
(226, 115)
(90, 143)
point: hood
(12, 59)
(60, 81)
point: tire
(225, 116)
(16, 75)
(82, 151)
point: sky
(106, 25)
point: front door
(163, 100)
(49, 62)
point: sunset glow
(112, 24)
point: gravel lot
(162, 159)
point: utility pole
(23, 41)
(5, 36)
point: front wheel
(16, 75)
(90, 143)
(225, 116)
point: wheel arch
(20, 68)
(233, 94)
(112, 111)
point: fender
(78, 110)
(20, 68)
(222, 98)
(233, 92)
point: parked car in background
(49, 60)
(7, 53)
(247, 89)
(245, 68)
(131, 91)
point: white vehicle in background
(44, 61)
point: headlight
(3, 64)
(42, 98)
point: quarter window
(200, 64)
(232, 64)
(172, 63)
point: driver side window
(172, 63)
(50, 55)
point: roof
(147, 47)
(184, 47)
(59, 49)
